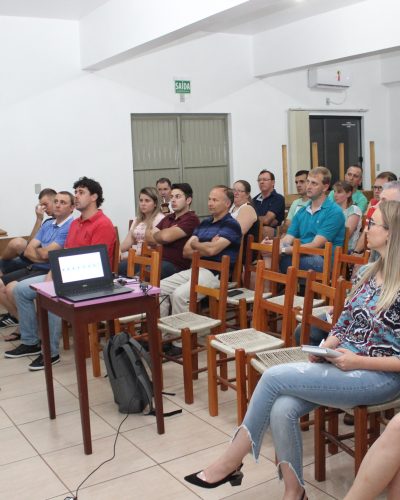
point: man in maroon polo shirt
(174, 230)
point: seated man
(269, 205)
(13, 256)
(51, 236)
(300, 180)
(321, 220)
(174, 230)
(91, 228)
(354, 177)
(216, 236)
(163, 186)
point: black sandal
(12, 337)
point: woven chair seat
(249, 339)
(317, 311)
(247, 294)
(195, 322)
(131, 319)
(394, 403)
(268, 359)
(297, 301)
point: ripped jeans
(287, 392)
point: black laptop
(83, 273)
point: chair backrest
(116, 252)
(262, 306)
(346, 240)
(217, 296)
(238, 268)
(342, 261)
(260, 248)
(325, 253)
(335, 295)
(146, 265)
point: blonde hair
(152, 193)
(388, 266)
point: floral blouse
(362, 330)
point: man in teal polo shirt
(354, 177)
(321, 220)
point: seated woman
(342, 193)
(366, 373)
(148, 216)
(242, 209)
(380, 468)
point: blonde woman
(366, 372)
(148, 216)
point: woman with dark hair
(242, 209)
(148, 216)
(367, 371)
(343, 192)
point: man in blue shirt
(51, 236)
(321, 220)
(269, 205)
(216, 236)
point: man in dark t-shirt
(174, 230)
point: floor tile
(23, 383)
(38, 483)
(74, 466)
(50, 435)
(14, 446)
(31, 407)
(183, 435)
(99, 390)
(152, 484)
(4, 420)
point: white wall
(58, 123)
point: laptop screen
(80, 269)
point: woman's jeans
(287, 392)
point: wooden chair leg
(252, 379)
(187, 365)
(241, 395)
(319, 444)
(212, 378)
(223, 369)
(360, 435)
(333, 428)
(94, 349)
(243, 323)
(65, 334)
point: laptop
(83, 273)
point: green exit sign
(182, 86)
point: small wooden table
(80, 315)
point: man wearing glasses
(354, 177)
(269, 205)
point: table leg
(80, 332)
(154, 345)
(48, 370)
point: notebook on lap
(83, 273)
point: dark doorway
(328, 132)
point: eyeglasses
(377, 188)
(371, 223)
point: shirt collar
(63, 222)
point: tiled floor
(42, 459)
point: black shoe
(235, 478)
(174, 351)
(348, 419)
(8, 320)
(23, 350)
(38, 363)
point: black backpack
(128, 367)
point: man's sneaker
(38, 363)
(8, 320)
(23, 350)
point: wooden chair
(342, 261)
(234, 346)
(241, 301)
(237, 269)
(186, 326)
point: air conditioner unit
(328, 78)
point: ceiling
(247, 19)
